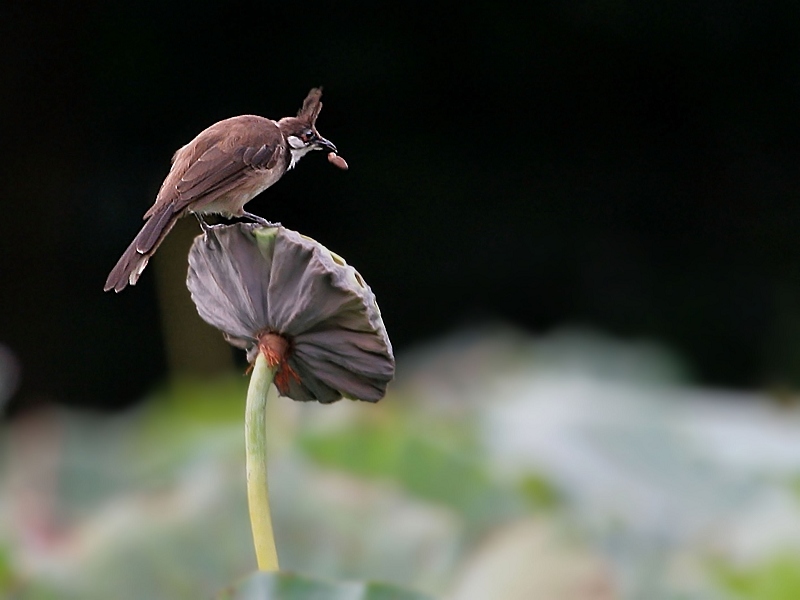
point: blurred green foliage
(285, 586)
(152, 502)
(794, 486)
(539, 492)
(437, 461)
(6, 571)
(603, 483)
(776, 578)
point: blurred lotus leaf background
(579, 220)
(571, 466)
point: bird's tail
(133, 261)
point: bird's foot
(203, 225)
(259, 220)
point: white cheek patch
(295, 142)
(298, 154)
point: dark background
(631, 167)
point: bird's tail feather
(133, 261)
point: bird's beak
(320, 142)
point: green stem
(255, 429)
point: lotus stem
(256, 447)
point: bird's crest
(311, 106)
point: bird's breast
(231, 203)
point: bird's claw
(203, 225)
(259, 220)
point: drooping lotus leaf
(248, 280)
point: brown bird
(218, 172)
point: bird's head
(301, 132)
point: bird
(218, 172)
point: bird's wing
(206, 173)
(217, 172)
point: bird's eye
(308, 134)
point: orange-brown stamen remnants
(276, 349)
